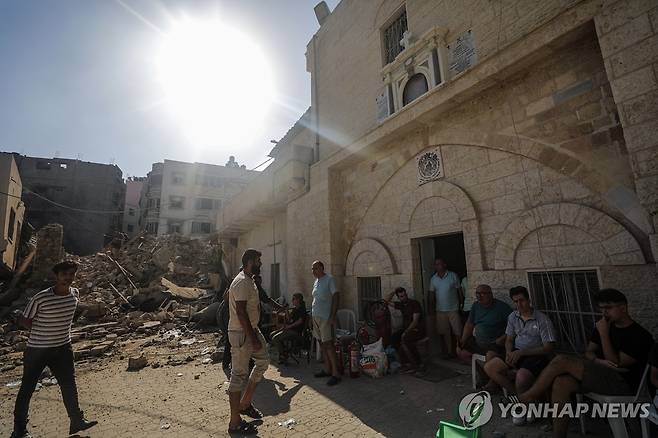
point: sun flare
(217, 81)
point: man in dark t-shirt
(613, 364)
(412, 330)
(292, 331)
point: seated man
(293, 330)
(529, 343)
(412, 329)
(613, 364)
(484, 331)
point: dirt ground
(189, 399)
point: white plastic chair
(346, 321)
(474, 369)
(617, 425)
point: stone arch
(618, 243)
(385, 261)
(467, 217)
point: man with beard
(613, 364)
(49, 315)
(247, 342)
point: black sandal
(243, 428)
(252, 412)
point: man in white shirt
(247, 343)
(445, 293)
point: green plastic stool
(449, 430)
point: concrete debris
(137, 363)
(289, 423)
(155, 288)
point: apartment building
(186, 198)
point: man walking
(49, 315)
(247, 343)
(446, 294)
(323, 310)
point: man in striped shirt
(48, 315)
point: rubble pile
(148, 287)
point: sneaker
(80, 424)
(530, 418)
(518, 421)
(333, 380)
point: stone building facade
(12, 211)
(526, 152)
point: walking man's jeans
(60, 362)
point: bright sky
(136, 81)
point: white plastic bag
(375, 347)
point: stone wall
(546, 147)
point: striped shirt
(51, 317)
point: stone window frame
(398, 19)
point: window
(392, 36)
(177, 178)
(204, 204)
(155, 180)
(153, 203)
(275, 279)
(416, 86)
(130, 228)
(11, 225)
(370, 291)
(201, 227)
(176, 202)
(152, 227)
(218, 204)
(567, 297)
(175, 227)
(131, 212)
(43, 165)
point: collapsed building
(87, 198)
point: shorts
(534, 364)
(472, 346)
(603, 380)
(322, 330)
(447, 322)
(241, 352)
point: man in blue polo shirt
(529, 343)
(445, 289)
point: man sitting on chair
(529, 343)
(613, 364)
(412, 329)
(292, 331)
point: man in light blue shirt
(445, 289)
(323, 311)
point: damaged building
(86, 198)
(517, 141)
(12, 210)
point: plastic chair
(449, 430)
(474, 368)
(617, 425)
(346, 320)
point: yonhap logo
(475, 409)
